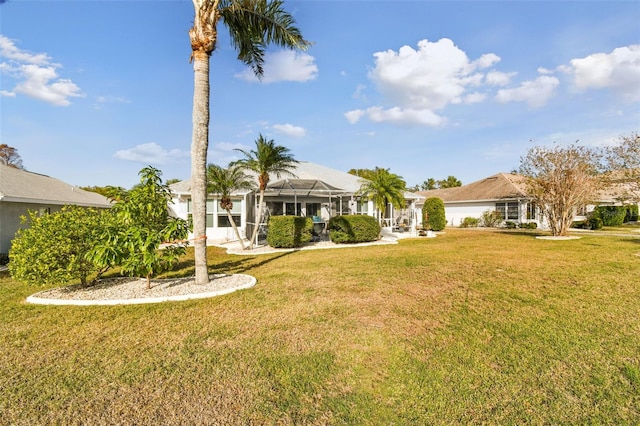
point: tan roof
(21, 186)
(497, 187)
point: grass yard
(469, 327)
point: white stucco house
(22, 191)
(504, 192)
(315, 191)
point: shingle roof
(497, 187)
(21, 186)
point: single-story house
(22, 191)
(315, 191)
(503, 192)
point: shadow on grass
(240, 266)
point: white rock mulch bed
(121, 291)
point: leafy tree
(143, 226)
(363, 173)
(624, 164)
(561, 180)
(383, 187)
(224, 182)
(114, 193)
(252, 25)
(433, 215)
(268, 158)
(54, 248)
(9, 157)
(429, 184)
(449, 182)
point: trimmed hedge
(610, 215)
(632, 213)
(353, 229)
(469, 222)
(433, 214)
(289, 231)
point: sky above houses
(92, 91)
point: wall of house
(215, 234)
(10, 214)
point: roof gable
(21, 186)
(497, 187)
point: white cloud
(473, 98)
(535, 93)
(151, 153)
(223, 153)
(497, 78)
(9, 50)
(399, 115)
(290, 130)
(417, 83)
(36, 75)
(285, 65)
(354, 116)
(619, 70)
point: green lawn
(469, 327)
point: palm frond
(254, 24)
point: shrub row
(353, 229)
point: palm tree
(224, 182)
(383, 187)
(266, 159)
(252, 24)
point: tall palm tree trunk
(235, 228)
(199, 147)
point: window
(293, 209)
(313, 209)
(362, 207)
(531, 211)
(210, 211)
(236, 211)
(509, 211)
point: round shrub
(55, 247)
(610, 215)
(351, 229)
(469, 222)
(595, 223)
(433, 214)
(289, 231)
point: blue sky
(92, 91)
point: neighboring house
(315, 191)
(504, 192)
(22, 191)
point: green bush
(595, 223)
(54, 248)
(510, 225)
(491, 218)
(632, 213)
(529, 225)
(289, 231)
(611, 215)
(353, 229)
(433, 216)
(469, 222)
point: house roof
(305, 171)
(307, 187)
(21, 186)
(501, 186)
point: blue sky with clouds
(92, 91)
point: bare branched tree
(562, 180)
